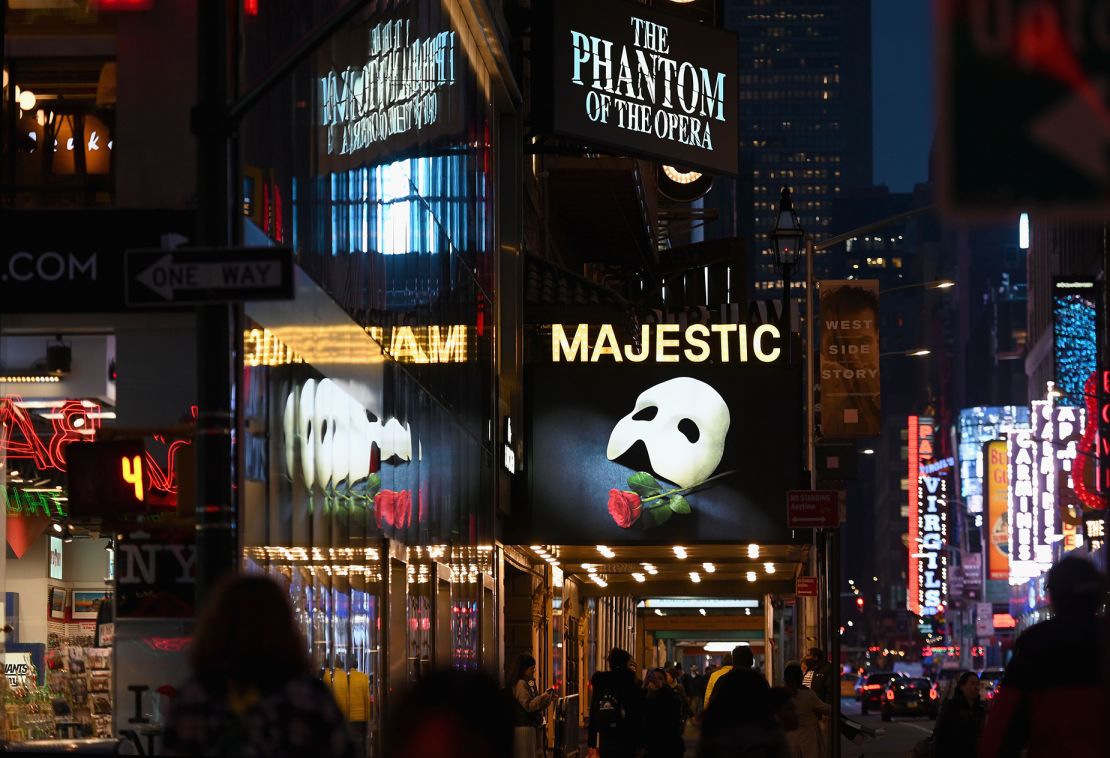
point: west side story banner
(639, 80)
(849, 370)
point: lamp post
(787, 238)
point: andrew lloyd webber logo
(667, 343)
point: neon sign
(22, 502)
(132, 470)
(73, 422)
(931, 556)
(424, 344)
(1021, 449)
(920, 435)
(668, 343)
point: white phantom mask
(363, 436)
(305, 412)
(289, 430)
(331, 424)
(396, 440)
(683, 423)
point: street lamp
(787, 238)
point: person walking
(664, 718)
(807, 740)
(531, 704)
(1050, 700)
(616, 709)
(726, 666)
(739, 722)
(960, 723)
(253, 694)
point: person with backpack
(616, 709)
(530, 707)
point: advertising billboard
(974, 428)
(849, 371)
(997, 526)
(661, 437)
(1074, 337)
(638, 80)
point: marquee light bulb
(753, 550)
(27, 100)
(709, 567)
(606, 551)
(701, 611)
(769, 567)
(751, 576)
(695, 577)
(639, 577)
(681, 177)
(680, 552)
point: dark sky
(902, 61)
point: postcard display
(76, 700)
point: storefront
(370, 401)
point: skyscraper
(805, 116)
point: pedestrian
(251, 693)
(739, 720)
(726, 666)
(807, 740)
(530, 707)
(1050, 700)
(451, 714)
(742, 658)
(960, 723)
(697, 695)
(781, 703)
(664, 718)
(673, 682)
(822, 680)
(616, 709)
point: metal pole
(216, 346)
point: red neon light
(250, 7)
(279, 225)
(912, 602)
(1087, 450)
(109, 6)
(72, 422)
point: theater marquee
(632, 77)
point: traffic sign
(1024, 121)
(805, 586)
(191, 276)
(816, 509)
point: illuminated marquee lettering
(397, 90)
(931, 556)
(1021, 447)
(667, 343)
(424, 344)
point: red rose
(393, 508)
(385, 504)
(624, 507)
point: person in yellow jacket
(726, 666)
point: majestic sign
(920, 435)
(930, 552)
(187, 276)
(1039, 140)
(1074, 337)
(641, 81)
(997, 524)
(667, 343)
(653, 451)
(850, 358)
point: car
(989, 682)
(860, 681)
(872, 694)
(847, 685)
(945, 683)
(908, 696)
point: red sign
(813, 508)
(806, 586)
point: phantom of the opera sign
(659, 432)
(639, 80)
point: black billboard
(640, 81)
(681, 451)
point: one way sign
(192, 276)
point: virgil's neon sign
(667, 343)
